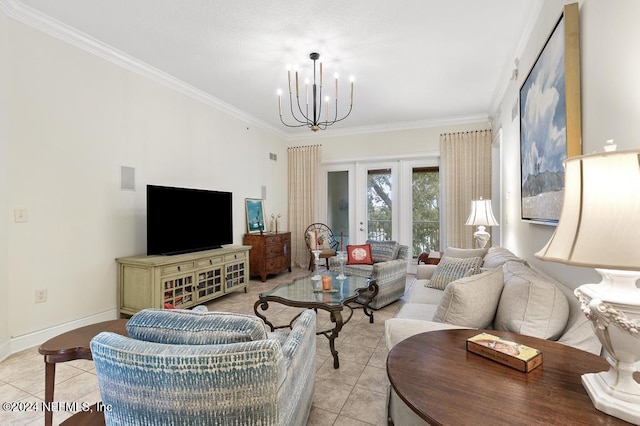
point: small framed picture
(254, 208)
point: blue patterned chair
(183, 367)
(389, 269)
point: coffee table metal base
(335, 313)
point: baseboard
(26, 341)
(4, 351)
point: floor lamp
(600, 228)
(481, 216)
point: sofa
(486, 289)
(192, 367)
(388, 266)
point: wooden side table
(68, 346)
(427, 260)
(444, 384)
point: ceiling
(416, 63)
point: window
(426, 210)
(379, 204)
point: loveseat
(190, 367)
(486, 289)
(388, 267)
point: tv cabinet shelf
(182, 280)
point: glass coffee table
(349, 293)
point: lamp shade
(599, 225)
(481, 214)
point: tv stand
(180, 281)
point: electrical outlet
(41, 296)
(20, 216)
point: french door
(384, 200)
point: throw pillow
(533, 307)
(323, 240)
(359, 254)
(450, 269)
(471, 301)
(383, 251)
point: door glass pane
(338, 204)
(426, 211)
(379, 214)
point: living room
(70, 119)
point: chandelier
(310, 113)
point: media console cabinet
(180, 281)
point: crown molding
(48, 25)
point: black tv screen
(182, 220)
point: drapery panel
(466, 171)
(304, 164)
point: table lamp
(481, 215)
(599, 227)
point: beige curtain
(465, 170)
(304, 177)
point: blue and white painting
(543, 132)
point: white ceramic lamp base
(482, 236)
(613, 306)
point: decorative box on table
(504, 351)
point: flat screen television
(182, 220)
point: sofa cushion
(183, 327)
(533, 307)
(383, 251)
(471, 301)
(419, 292)
(450, 269)
(359, 254)
(462, 253)
(498, 256)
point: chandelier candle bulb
(326, 107)
(279, 103)
(351, 94)
(297, 92)
(289, 75)
(320, 74)
(336, 75)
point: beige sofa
(497, 291)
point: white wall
(4, 209)
(75, 118)
(609, 40)
(387, 144)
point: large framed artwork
(550, 124)
(254, 208)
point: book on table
(507, 352)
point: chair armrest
(302, 337)
(425, 272)
(390, 267)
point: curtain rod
(463, 133)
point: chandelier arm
(293, 114)
(292, 125)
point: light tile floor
(354, 394)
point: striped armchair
(183, 367)
(389, 269)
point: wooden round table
(444, 384)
